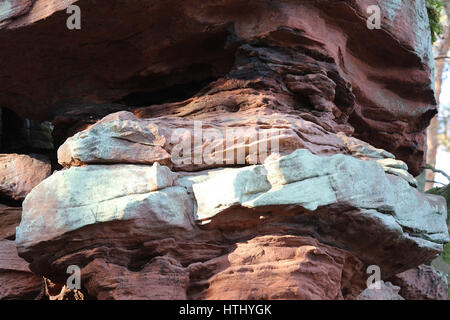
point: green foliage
(446, 254)
(444, 192)
(435, 9)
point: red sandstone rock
(224, 140)
(381, 291)
(19, 174)
(162, 278)
(278, 267)
(310, 68)
(267, 267)
(421, 283)
(332, 76)
(9, 220)
(16, 280)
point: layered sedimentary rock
(226, 149)
(381, 291)
(21, 173)
(288, 55)
(350, 203)
(9, 220)
(16, 279)
(422, 283)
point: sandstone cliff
(223, 149)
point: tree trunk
(441, 49)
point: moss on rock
(444, 192)
(434, 9)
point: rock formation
(422, 283)
(226, 149)
(384, 291)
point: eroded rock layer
(134, 214)
(316, 58)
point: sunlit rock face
(226, 149)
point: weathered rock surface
(321, 133)
(16, 279)
(72, 199)
(9, 220)
(19, 174)
(328, 191)
(186, 144)
(163, 278)
(381, 291)
(278, 267)
(340, 200)
(422, 283)
(234, 139)
(282, 55)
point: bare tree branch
(433, 182)
(430, 167)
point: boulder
(9, 220)
(190, 145)
(81, 196)
(422, 283)
(16, 280)
(340, 200)
(279, 267)
(19, 174)
(284, 52)
(381, 291)
(211, 142)
(327, 192)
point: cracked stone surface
(224, 149)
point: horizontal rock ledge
(340, 200)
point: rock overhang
(105, 68)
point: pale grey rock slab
(80, 196)
(381, 291)
(311, 182)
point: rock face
(359, 207)
(228, 149)
(384, 291)
(282, 57)
(9, 220)
(422, 283)
(21, 173)
(72, 199)
(278, 267)
(16, 279)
